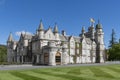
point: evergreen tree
(114, 48)
(113, 39)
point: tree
(3, 53)
(114, 52)
(113, 39)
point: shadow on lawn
(100, 73)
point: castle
(49, 47)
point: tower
(56, 32)
(10, 48)
(65, 55)
(91, 31)
(52, 51)
(99, 38)
(63, 33)
(40, 31)
(99, 33)
(83, 32)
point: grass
(108, 72)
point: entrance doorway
(34, 59)
(58, 58)
(46, 58)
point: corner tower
(99, 38)
(10, 48)
(56, 32)
(40, 30)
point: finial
(98, 21)
(40, 20)
(49, 27)
(83, 29)
(55, 23)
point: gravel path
(29, 66)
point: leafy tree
(113, 39)
(3, 53)
(114, 52)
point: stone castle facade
(49, 47)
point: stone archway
(58, 58)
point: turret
(25, 40)
(91, 31)
(10, 40)
(11, 43)
(52, 48)
(99, 38)
(82, 32)
(40, 31)
(65, 55)
(63, 33)
(99, 33)
(56, 32)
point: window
(58, 59)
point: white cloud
(18, 33)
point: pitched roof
(77, 39)
(62, 38)
(28, 36)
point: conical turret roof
(41, 28)
(55, 28)
(10, 38)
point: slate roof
(77, 39)
(28, 36)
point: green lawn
(109, 72)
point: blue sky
(70, 15)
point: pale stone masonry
(49, 47)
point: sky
(18, 16)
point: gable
(72, 39)
(49, 35)
(83, 41)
